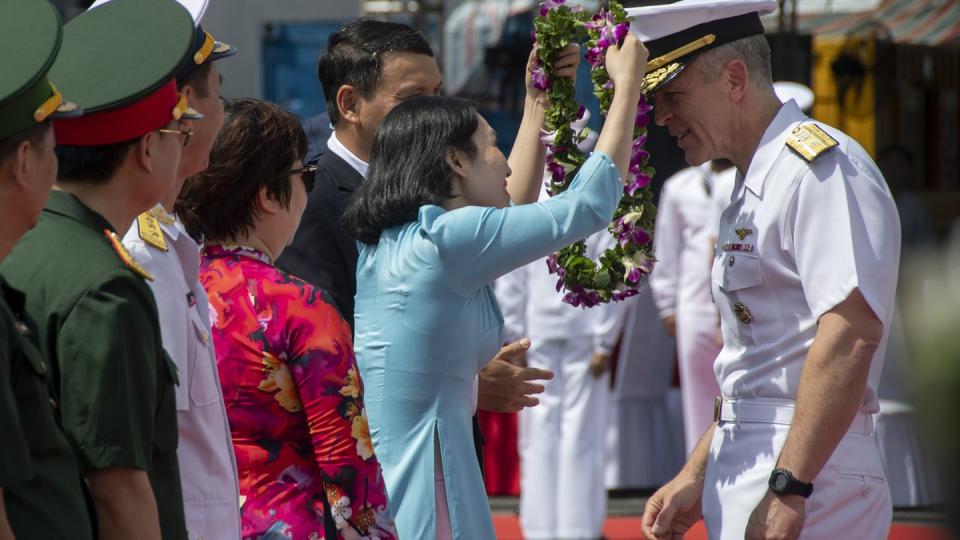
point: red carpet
(628, 528)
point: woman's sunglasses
(308, 173)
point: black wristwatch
(783, 482)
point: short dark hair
(355, 56)
(34, 134)
(197, 79)
(408, 165)
(92, 164)
(257, 146)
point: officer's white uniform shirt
(811, 234)
(208, 469)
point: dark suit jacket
(322, 253)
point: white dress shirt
(795, 241)
(208, 468)
(684, 228)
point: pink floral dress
(294, 401)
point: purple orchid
(557, 172)
(548, 5)
(552, 265)
(620, 32)
(594, 56)
(619, 296)
(540, 79)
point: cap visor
(221, 50)
(67, 109)
(658, 78)
(191, 114)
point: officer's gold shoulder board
(150, 231)
(810, 141)
(126, 257)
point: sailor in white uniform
(561, 441)
(158, 240)
(804, 279)
(681, 285)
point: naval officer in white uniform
(804, 279)
(158, 240)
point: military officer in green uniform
(41, 490)
(95, 315)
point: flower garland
(620, 268)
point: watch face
(780, 482)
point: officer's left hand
(599, 364)
(776, 517)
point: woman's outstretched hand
(626, 65)
(565, 67)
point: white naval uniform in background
(561, 441)
(796, 240)
(681, 287)
(208, 466)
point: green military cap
(30, 37)
(118, 62)
(205, 48)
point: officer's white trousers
(697, 349)
(850, 495)
(562, 495)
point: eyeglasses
(309, 175)
(187, 133)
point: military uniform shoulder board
(126, 257)
(810, 141)
(150, 231)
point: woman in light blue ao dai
(437, 227)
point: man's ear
(738, 77)
(17, 166)
(348, 104)
(187, 91)
(455, 160)
(146, 151)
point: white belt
(774, 411)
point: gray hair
(754, 51)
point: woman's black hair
(408, 164)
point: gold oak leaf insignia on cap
(810, 141)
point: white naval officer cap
(196, 7)
(675, 33)
(802, 94)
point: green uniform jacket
(98, 329)
(46, 499)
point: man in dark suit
(368, 68)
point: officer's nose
(661, 112)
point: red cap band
(117, 125)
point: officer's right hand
(673, 509)
(627, 63)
